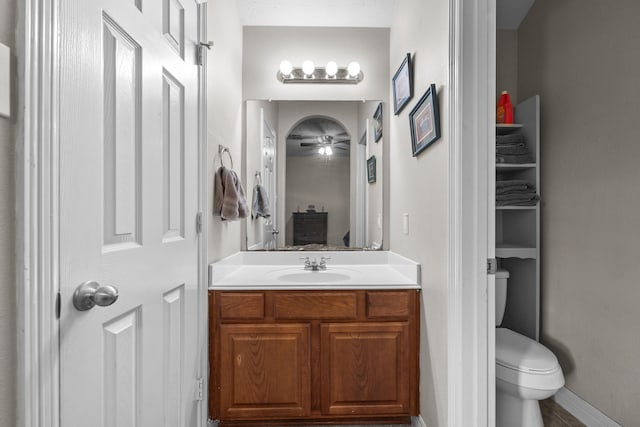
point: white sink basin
(300, 275)
(314, 277)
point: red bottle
(504, 112)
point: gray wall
(507, 64)
(419, 186)
(583, 57)
(224, 116)
(8, 391)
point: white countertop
(285, 271)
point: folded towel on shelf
(512, 189)
(530, 202)
(503, 183)
(512, 149)
(513, 159)
(509, 138)
(229, 201)
(260, 205)
(520, 196)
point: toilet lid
(516, 351)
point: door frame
(37, 213)
(471, 345)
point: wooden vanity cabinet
(330, 357)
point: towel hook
(221, 150)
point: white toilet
(526, 371)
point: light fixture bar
(320, 75)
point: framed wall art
(402, 83)
(371, 169)
(424, 120)
(377, 123)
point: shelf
(502, 128)
(507, 250)
(515, 166)
(516, 208)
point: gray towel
(512, 189)
(512, 149)
(509, 138)
(260, 205)
(229, 201)
(513, 159)
(502, 183)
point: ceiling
(350, 13)
(314, 13)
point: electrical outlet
(405, 223)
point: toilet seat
(525, 362)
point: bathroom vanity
(304, 347)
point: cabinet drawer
(315, 305)
(241, 305)
(388, 304)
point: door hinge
(58, 305)
(492, 266)
(199, 222)
(199, 389)
(200, 51)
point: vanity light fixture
(309, 73)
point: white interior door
(269, 174)
(128, 162)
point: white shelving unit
(518, 228)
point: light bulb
(328, 151)
(321, 150)
(308, 67)
(331, 68)
(286, 68)
(353, 69)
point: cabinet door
(264, 371)
(365, 368)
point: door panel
(365, 368)
(129, 198)
(265, 371)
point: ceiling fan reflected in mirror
(318, 135)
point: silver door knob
(91, 293)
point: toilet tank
(501, 294)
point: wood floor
(555, 415)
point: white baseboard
(582, 410)
(418, 421)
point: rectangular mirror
(307, 179)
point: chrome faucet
(314, 265)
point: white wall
(583, 58)
(420, 187)
(224, 116)
(324, 183)
(290, 113)
(8, 333)
(266, 47)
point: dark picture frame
(371, 169)
(424, 120)
(402, 83)
(377, 123)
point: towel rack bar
(221, 150)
